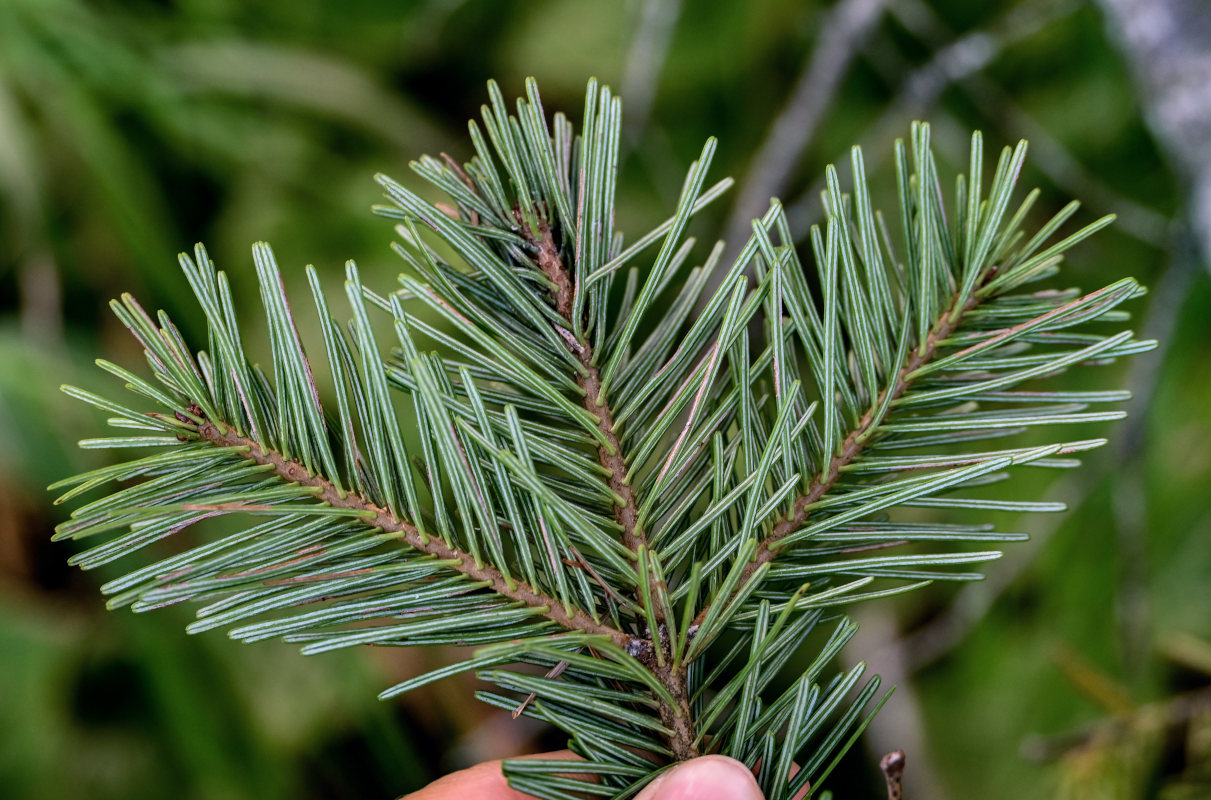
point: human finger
(705, 778)
(484, 781)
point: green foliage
(656, 484)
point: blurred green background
(129, 129)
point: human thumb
(705, 778)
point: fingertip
(705, 778)
(484, 781)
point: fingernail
(706, 778)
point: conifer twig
(678, 716)
(294, 472)
(892, 765)
(850, 448)
(609, 486)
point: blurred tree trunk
(1168, 47)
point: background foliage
(130, 130)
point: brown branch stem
(678, 718)
(852, 446)
(572, 619)
(892, 765)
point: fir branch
(383, 519)
(850, 449)
(855, 440)
(609, 452)
(677, 717)
(627, 487)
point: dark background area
(130, 130)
